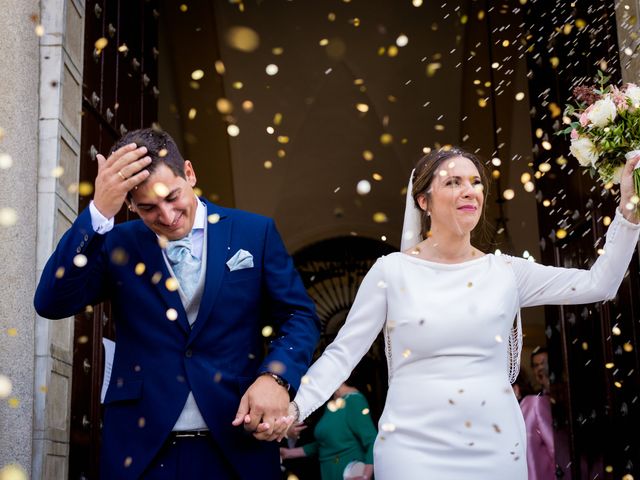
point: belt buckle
(191, 434)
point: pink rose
(584, 117)
(574, 134)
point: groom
(193, 287)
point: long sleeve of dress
(545, 285)
(360, 423)
(364, 322)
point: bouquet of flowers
(606, 127)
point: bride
(448, 310)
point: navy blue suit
(158, 360)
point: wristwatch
(279, 380)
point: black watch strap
(279, 380)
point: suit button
(188, 353)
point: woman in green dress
(345, 434)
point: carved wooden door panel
(119, 94)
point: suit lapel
(154, 262)
(218, 240)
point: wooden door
(594, 364)
(119, 94)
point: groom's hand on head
(117, 175)
(263, 409)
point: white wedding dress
(450, 412)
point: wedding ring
(121, 175)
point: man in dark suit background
(192, 285)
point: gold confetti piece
(470, 284)
(43, 389)
(386, 139)
(267, 331)
(268, 164)
(618, 384)
(508, 194)
(119, 256)
(283, 139)
(13, 402)
(580, 23)
(365, 411)
(362, 107)
(80, 260)
(142, 422)
(60, 272)
(219, 66)
(376, 176)
(432, 68)
(277, 367)
(171, 284)
(271, 69)
(163, 242)
(197, 191)
(217, 377)
(243, 38)
(304, 380)
(388, 427)
(438, 127)
(340, 403)
(380, 217)
(277, 50)
(85, 189)
(233, 130)
(529, 187)
(8, 217)
(172, 314)
(608, 469)
(183, 7)
(277, 119)
(128, 461)
(367, 155)
(525, 177)
(237, 85)
(544, 167)
(160, 189)
(192, 113)
(416, 3)
(616, 330)
(498, 338)
(585, 346)
(561, 233)
(163, 152)
(392, 51)
(324, 42)
(609, 365)
(12, 332)
(555, 110)
(331, 406)
(406, 353)
(627, 476)
(156, 277)
(627, 347)
(123, 48)
(100, 44)
(355, 22)
(39, 30)
(292, 476)
(247, 106)
(197, 74)
(57, 172)
(5, 161)
(12, 472)
(281, 153)
(5, 386)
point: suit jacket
(159, 360)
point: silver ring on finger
(122, 175)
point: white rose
(617, 174)
(602, 112)
(584, 151)
(633, 93)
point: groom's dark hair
(160, 147)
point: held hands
(627, 189)
(263, 410)
(117, 175)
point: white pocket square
(241, 259)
